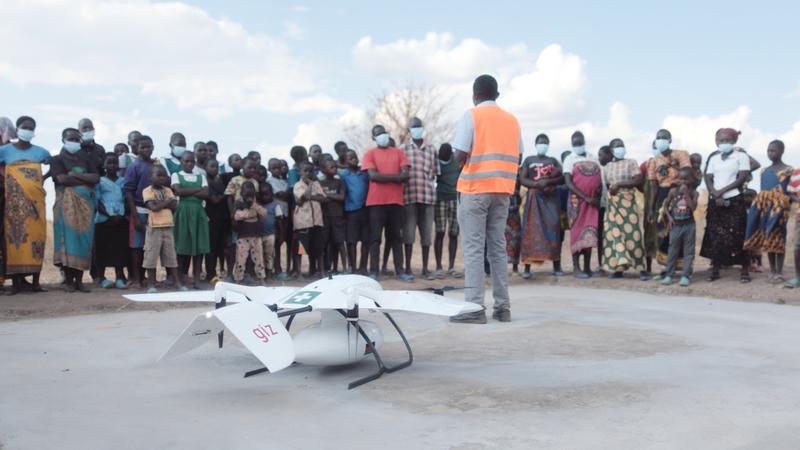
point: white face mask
(416, 133)
(382, 140)
(580, 150)
(541, 149)
(87, 136)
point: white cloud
(292, 30)
(544, 90)
(171, 50)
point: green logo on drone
(302, 297)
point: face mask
(25, 135)
(619, 152)
(656, 152)
(382, 140)
(580, 151)
(541, 149)
(72, 147)
(178, 151)
(416, 133)
(725, 148)
(87, 136)
(662, 145)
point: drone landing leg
(255, 372)
(382, 368)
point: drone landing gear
(250, 373)
(382, 368)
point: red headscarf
(728, 133)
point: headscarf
(728, 133)
(7, 130)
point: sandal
(793, 283)
(744, 279)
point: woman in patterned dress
(622, 242)
(769, 214)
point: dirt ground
(57, 303)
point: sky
(267, 75)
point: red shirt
(389, 160)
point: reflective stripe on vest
(493, 163)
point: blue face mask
(619, 152)
(656, 152)
(725, 148)
(662, 145)
(87, 136)
(541, 149)
(25, 135)
(416, 132)
(72, 146)
(580, 150)
(382, 140)
(178, 151)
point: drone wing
(232, 293)
(414, 301)
(255, 326)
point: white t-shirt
(573, 158)
(726, 170)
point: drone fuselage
(335, 342)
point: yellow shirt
(158, 219)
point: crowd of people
(253, 221)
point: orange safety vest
(491, 167)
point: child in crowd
(445, 215)
(333, 232)
(255, 156)
(111, 226)
(233, 194)
(696, 159)
(355, 211)
(247, 213)
(159, 240)
(235, 163)
(219, 222)
(280, 190)
(191, 221)
(261, 175)
(308, 222)
(679, 209)
(137, 179)
(234, 188)
(300, 155)
(271, 225)
(121, 151)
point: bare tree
(393, 109)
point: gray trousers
(482, 219)
(681, 237)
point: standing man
(488, 142)
(419, 195)
(96, 151)
(387, 167)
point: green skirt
(191, 228)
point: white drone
(339, 338)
